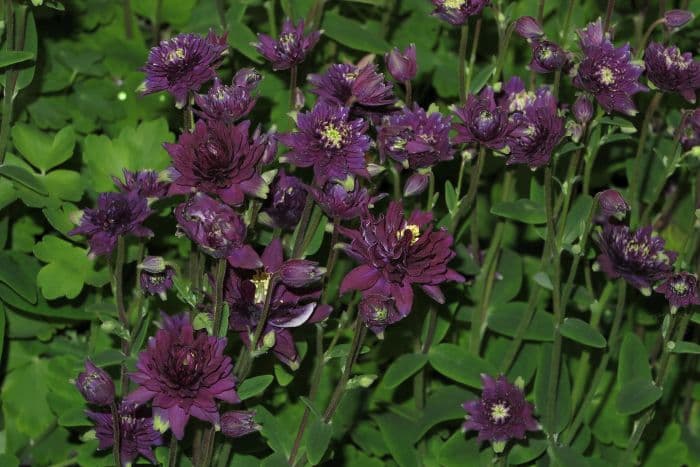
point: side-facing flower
(457, 12)
(501, 414)
(285, 202)
(182, 373)
(402, 66)
(155, 277)
(116, 215)
(339, 202)
(237, 423)
(548, 57)
(229, 104)
(146, 183)
(672, 71)
(528, 28)
(482, 121)
(675, 19)
(681, 290)
(217, 229)
(611, 205)
(378, 311)
(690, 136)
(291, 48)
(182, 64)
(95, 385)
(330, 142)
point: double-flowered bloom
(155, 276)
(672, 71)
(339, 202)
(483, 121)
(229, 104)
(680, 290)
(402, 66)
(285, 203)
(457, 12)
(291, 48)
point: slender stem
(431, 191)
(608, 15)
(642, 44)
(219, 275)
(208, 448)
(467, 202)
(502, 50)
(224, 454)
(540, 11)
(116, 431)
(396, 182)
(221, 11)
(11, 75)
(297, 251)
(460, 177)
(118, 280)
(472, 54)
(332, 258)
(408, 99)
(583, 243)
(461, 72)
(172, 452)
(155, 27)
(128, 19)
(420, 379)
(567, 22)
(292, 87)
(265, 313)
(188, 117)
(636, 182)
(519, 335)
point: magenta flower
(237, 423)
(291, 48)
(482, 121)
(95, 385)
(146, 183)
(396, 253)
(672, 71)
(457, 12)
(402, 66)
(680, 290)
(337, 202)
(218, 159)
(182, 373)
(229, 104)
(182, 64)
(285, 203)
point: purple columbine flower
(638, 257)
(582, 110)
(457, 12)
(291, 48)
(548, 57)
(330, 142)
(672, 71)
(293, 301)
(396, 253)
(482, 121)
(538, 130)
(528, 28)
(218, 159)
(229, 104)
(681, 290)
(217, 229)
(182, 373)
(607, 72)
(237, 423)
(95, 385)
(285, 203)
(402, 66)
(156, 277)
(501, 414)
(675, 19)
(611, 205)
(136, 433)
(378, 311)
(116, 215)
(690, 136)
(341, 203)
(415, 138)
(182, 64)
(514, 97)
(146, 183)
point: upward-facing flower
(229, 104)
(146, 183)
(181, 65)
(402, 66)
(330, 142)
(183, 372)
(457, 12)
(482, 121)
(338, 202)
(607, 72)
(95, 385)
(285, 203)
(291, 48)
(672, 71)
(218, 159)
(638, 257)
(116, 215)
(681, 290)
(396, 253)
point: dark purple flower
(116, 215)
(183, 372)
(607, 72)
(395, 254)
(290, 306)
(582, 110)
(416, 183)
(528, 28)
(539, 129)
(229, 104)
(156, 277)
(378, 311)
(681, 290)
(691, 131)
(501, 414)
(672, 71)
(217, 229)
(237, 423)
(286, 201)
(181, 65)
(402, 66)
(330, 142)
(457, 12)
(290, 49)
(146, 183)
(415, 138)
(638, 257)
(218, 159)
(675, 19)
(482, 121)
(612, 205)
(136, 433)
(337, 202)
(514, 97)
(548, 57)
(95, 385)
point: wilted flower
(582, 110)
(181, 65)
(95, 385)
(218, 159)
(457, 12)
(338, 202)
(607, 72)
(330, 142)
(548, 57)
(183, 372)
(156, 277)
(237, 423)
(501, 414)
(528, 28)
(612, 205)
(378, 311)
(116, 215)
(217, 229)
(286, 201)
(482, 121)
(146, 183)
(677, 18)
(691, 131)
(681, 290)
(402, 66)
(395, 254)
(228, 104)
(136, 433)
(638, 257)
(290, 49)
(672, 71)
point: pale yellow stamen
(500, 412)
(261, 281)
(415, 232)
(606, 76)
(175, 55)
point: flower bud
(612, 204)
(402, 66)
(95, 385)
(528, 28)
(300, 272)
(153, 264)
(247, 78)
(416, 184)
(583, 110)
(237, 423)
(677, 18)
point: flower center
(350, 76)
(606, 76)
(156, 279)
(333, 135)
(679, 287)
(415, 232)
(399, 144)
(176, 55)
(261, 281)
(287, 41)
(220, 94)
(499, 412)
(453, 4)
(634, 247)
(675, 59)
(545, 53)
(485, 124)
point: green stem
(431, 191)
(118, 281)
(636, 182)
(472, 54)
(461, 72)
(396, 182)
(292, 87)
(408, 98)
(116, 430)
(297, 251)
(466, 203)
(519, 335)
(172, 452)
(608, 15)
(221, 11)
(155, 27)
(14, 41)
(540, 11)
(567, 23)
(128, 21)
(647, 34)
(419, 381)
(219, 275)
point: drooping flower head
(237, 423)
(482, 121)
(155, 276)
(330, 142)
(402, 66)
(611, 205)
(339, 202)
(182, 373)
(690, 136)
(681, 290)
(672, 71)
(229, 104)
(457, 12)
(377, 312)
(217, 230)
(395, 253)
(182, 64)
(675, 19)
(501, 414)
(528, 28)
(146, 183)
(218, 159)
(638, 257)
(290, 48)
(607, 72)
(292, 284)
(95, 385)
(136, 433)
(285, 203)
(548, 57)
(116, 215)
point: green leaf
(583, 333)
(68, 268)
(2, 329)
(396, 431)
(317, 440)
(637, 395)
(403, 368)
(459, 365)
(577, 220)
(24, 392)
(74, 418)
(505, 319)
(317, 238)
(41, 150)
(686, 347)
(633, 364)
(563, 404)
(16, 272)
(450, 197)
(481, 78)
(353, 34)
(240, 37)
(255, 386)
(23, 177)
(10, 57)
(64, 184)
(522, 210)
(26, 69)
(510, 266)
